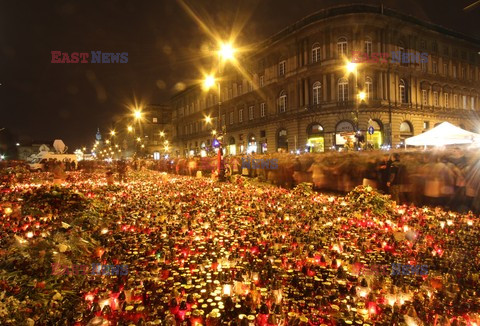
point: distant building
(98, 136)
(297, 95)
(157, 130)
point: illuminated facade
(298, 96)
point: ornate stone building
(298, 96)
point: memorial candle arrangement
(200, 253)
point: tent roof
(443, 134)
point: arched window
(342, 90)
(402, 90)
(406, 129)
(282, 101)
(316, 52)
(369, 88)
(342, 47)
(317, 89)
(315, 140)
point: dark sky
(68, 101)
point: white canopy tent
(443, 134)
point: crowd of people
(445, 178)
(448, 178)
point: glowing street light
(351, 67)
(162, 134)
(362, 96)
(139, 139)
(208, 119)
(112, 132)
(209, 82)
(129, 128)
(226, 52)
(137, 114)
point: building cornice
(359, 9)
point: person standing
(394, 177)
(122, 170)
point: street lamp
(351, 67)
(137, 114)
(226, 51)
(362, 96)
(208, 120)
(129, 128)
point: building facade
(294, 92)
(157, 133)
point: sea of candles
(200, 253)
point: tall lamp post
(351, 67)
(226, 53)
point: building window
(231, 118)
(282, 102)
(434, 67)
(445, 100)
(445, 69)
(262, 110)
(240, 90)
(463, 73)
(455, 101)
(342, 47)
(369, 88)
(368, 48)
(424, 97)
(424, 66)
(472, 103)
(316, 53)
(435, 99)
(464, 101)
(423, 44)
(224, 122)
(240, 115)
(426, 125)
(402, 89)
(281, 68)
(250, 112)
(250, 87)
(454, 71)
(317, 89)
(262, 81)
(343, 90)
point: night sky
(45, 101)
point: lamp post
(226, 53)
(351, 67)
